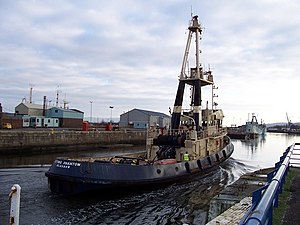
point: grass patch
(279, 212)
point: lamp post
(111, 108)
(91, 112)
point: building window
(56, 111)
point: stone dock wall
(30, 141)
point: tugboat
(195, 143)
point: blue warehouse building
(71, 118)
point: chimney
(44, 106)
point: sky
(128, 54)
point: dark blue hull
(70, 177)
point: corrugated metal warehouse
(139, 118)
(29, 109)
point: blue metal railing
(265, 198)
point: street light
(91, 112)
(111, 108)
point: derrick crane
(289, 124)
(195, 79)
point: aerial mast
(30, 93)
(58, 90)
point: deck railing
(154, 132)
(266, 198)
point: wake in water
(235, 169)
(174, 204)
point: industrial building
(142, 119)
(35, 115)
(29, 109)
(71, 118)
(39, 121)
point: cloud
(129, 53)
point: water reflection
(251, 146)
(262, 152)
(43, 159)
(254, 144)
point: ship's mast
(194, 28)
(194, 78)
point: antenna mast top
(194, 28)
(30, 93)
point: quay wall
(22, 141)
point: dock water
(146, 207)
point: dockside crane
(289, 124)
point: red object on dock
(109, 127)
(85, 126)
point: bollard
(14, 197)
